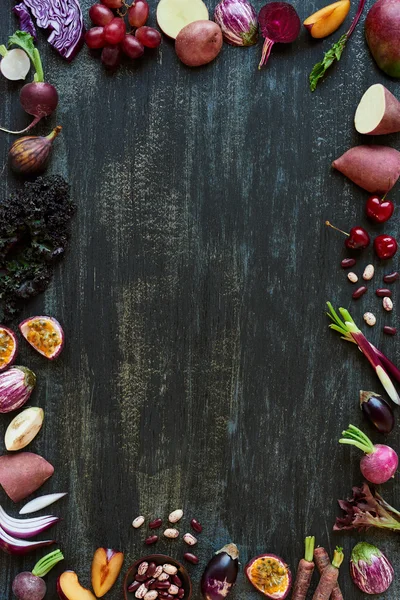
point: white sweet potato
(22, 474)
(374, 168)
(378, 112)
(199, 43)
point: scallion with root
(350, 332)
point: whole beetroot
(382, 30)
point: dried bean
(173, 589)
(368, 272)
(192, 558)
(352, 277)
(381, 292)
(157, 572)
(163, 594)
(135, 585)
(189, 539)
(150, 582)
(156, 524)
(194, 523)
(138, 522)
(141, 577)
(359, 292)
(345, 264)
(370, 319)
(175, 516)
(152, 595)
(387, 304)
(391, 277)
(163, 577)
(176, 580)
(152, 539)
(170, 569)
(389, 330)
(181, 593)
(171, 533)
(141, 592)
(151, 570)
(142, 568)
(162, 585)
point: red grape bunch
(110, 31)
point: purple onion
(238, 22)
(370, 570)
(220, 574)
(25, 19)
(13, 545)
(16, 386)
(65, 21)
(25, 528)
(378, 411)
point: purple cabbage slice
(25, 19)
(64, 20)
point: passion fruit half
(270, 575)
(8, 347)
(45, 334)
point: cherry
(379, 210)
(385, 246)
(357, 239)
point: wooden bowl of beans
(157, 577)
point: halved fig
(8, 347)
(45, 334)
(270, 575)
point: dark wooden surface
(198, 370)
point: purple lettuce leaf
(367, 509)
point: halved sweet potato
(22, 474)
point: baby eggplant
(378, 411)
(220, 574)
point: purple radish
(379, 463)
(38, 98)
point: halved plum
(8, 347)
(270, 575)
(45, 334)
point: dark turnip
(38, 98)
(382, 32)
(31, 586)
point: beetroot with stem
(38, 98)
(279, 22)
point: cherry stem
(329, 224)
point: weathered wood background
(199, 371)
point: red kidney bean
(389, 330)
(391, 277)
(162, 585)
(181, 593)
(176, 580)
(156, 524)
(152, 539)
(191, 558)
(135, 585)
(194, 523)
(163, 594)
(141, 578)
(347, 263)
(382, 292)
(150, 569)
(150, 582)
(359, 292)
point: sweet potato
(374, 168)
(22, 474)
(378, 112)
(199, 43)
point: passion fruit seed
(7, 346)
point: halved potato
(174, 15)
